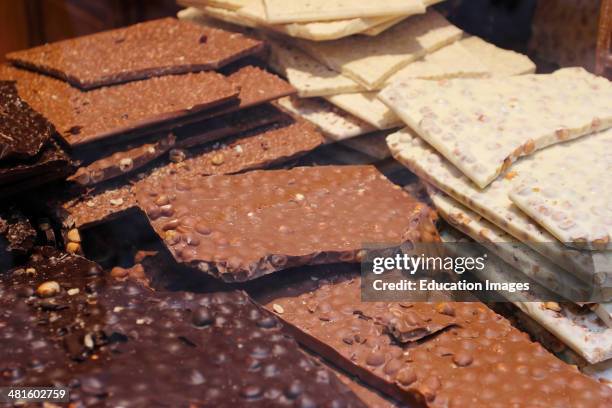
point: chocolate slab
(240, 227)
(109, 112)
(154, 48)
(481, 361)
(121, 344)
(23, 131)
(253, 150)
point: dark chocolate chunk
(154, 48)
(23, 131)
(479, 361)
(121, 344)
(243, 226)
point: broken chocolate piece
(121, 344)
(154, 48)
(243, 226)
(23, 131)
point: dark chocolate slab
(480, 361)
(17, 236)
(120, 344)
(23, 131)
(243, 226)
(154, 48)
(51, 164)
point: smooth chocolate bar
(120, 344)
(145, 50)
(479, 361)
(23, 131)
(240, 227)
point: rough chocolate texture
(243, 226)
(23, 131)
(121, 344)
(154, 48)
(252, 150)
(51, 164)
(479, 361)
(17, 236)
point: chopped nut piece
(278, 308)
(73, 235)
(48, 289)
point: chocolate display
(118, 344)
(481, 360)
(306, 215)
(23, 131)
(155, 48)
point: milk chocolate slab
(109, 112)
(122, 162)
(240, 227)
(121, 344)
(145, 50)
(481, 361)
(23, 131)
(252, 150)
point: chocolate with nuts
(121, 344)
(23, 131)
(243, 226)
(154, 48)
(480, 361)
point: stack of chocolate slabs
(532, 188)
(339, 55)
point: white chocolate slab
(500, 62)
(316, 31)
(293, 11)
(333, 122)
(370, 61)
(307, 75)
(506, 247)
(494, 204)
(452, 61)
(567, 189)
(483, 125)
(366, 106)
(581, 330)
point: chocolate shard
(17, 237)
(124, 161)
(465, 365)
(240, 227)
(23, 131)
(121, 344)
(145, 50)
(51, 164)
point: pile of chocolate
(199, 254)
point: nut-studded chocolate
(481, 361)
(154, 48)
(243, 226)
(120, 344)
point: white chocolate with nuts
(483, 125)
(579, 329)
(494, 204)
(367, 107)
(335, 124)
(511, 251)
(567, 190)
